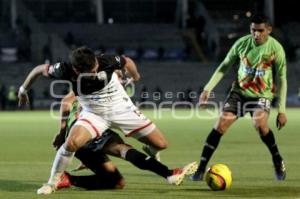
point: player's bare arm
(216, 77)
(281, 78)
(204, 97)
(65, 108)
(281, 118)
(131, 69)
(30, 79)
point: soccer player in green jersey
(261, 74)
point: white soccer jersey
(107, 100)
(103, 99)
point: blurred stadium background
(177, 44)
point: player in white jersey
(93, 80)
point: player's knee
(222, 128)
(163, 144)
(262, 130)
(72, 145)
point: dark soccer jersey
(85, 84)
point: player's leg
(212, 142)
(111, 143)
(136, 124)
(144, 162)
(88, 126)
(260, 120)
(78, 137)
(155, 141)
(107, 176)
(228, 116)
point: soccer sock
(144, 162)
(210, 146)
(61, 161)
(269, 140)
(105, 180)
(153, 150)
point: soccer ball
(218, 177)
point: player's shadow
(16, 186)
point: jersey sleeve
(280, 69)
(56, 71)
(229, 60)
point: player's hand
(23, 99)
(59, 139)
(281, 120)
(204, 97)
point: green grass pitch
(26, 156)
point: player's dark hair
(83, 59)
(260, 18)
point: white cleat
(179, 173)
(51, 186)
(46, 189)
(190, 168)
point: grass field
(26, 156)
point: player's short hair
(260, 18)
(83, 59)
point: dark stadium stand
(62, 11)
(143, 33)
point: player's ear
(269, 29)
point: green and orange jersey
(261, 68)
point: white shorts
(131, 121)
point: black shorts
(92, 154)
(240, 105)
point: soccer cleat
(179, 173)
(197, 176)
(151, 152)
(64, 181)
(51, 186)
(280, 170)
(46, 189)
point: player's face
(260, 32)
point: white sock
(62, 159)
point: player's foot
(280, 170)
(152, 152)
(51, 186)
(179, 173)
(46, 189)
(64, 182)
(197, 176)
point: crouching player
(94, 156)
